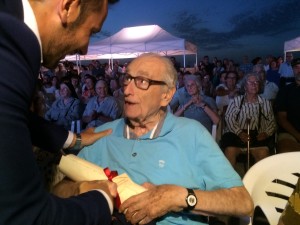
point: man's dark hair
(89, 6)
(112, 1)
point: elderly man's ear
(69, 11)
(167, 97)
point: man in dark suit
(32, 32)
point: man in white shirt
(286, 70)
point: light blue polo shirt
(183, 153)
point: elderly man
(101, 108)
(186, 173)
(287, 111)
(35, 31)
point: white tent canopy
(130, 42)
(292, 45)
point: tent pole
(79, 64)
(284, 56)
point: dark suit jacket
(23, 199)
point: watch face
(191, 200)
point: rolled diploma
(78, 169)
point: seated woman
(196, 105)
(255, 111)
(65, 109)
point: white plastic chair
(270, 183)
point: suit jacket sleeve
(46, 135)
(23, 199)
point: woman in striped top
(255, 111)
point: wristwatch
(191, 200)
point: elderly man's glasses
(141, 82)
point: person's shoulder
(116, 93)
(281, 66)
(221, 86)
(92, 100)
(76, 101)
(238, 98)
(208, 98)
(274, 86)
(111, 98)
(28, 47)
(180, 90)
(291, 85)
(115, 125)
(289, 88)
(263, 100)
(182, 123)
(57, 102)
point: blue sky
(222, 28)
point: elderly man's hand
(153, 203)
(89, 136)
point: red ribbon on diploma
(110, 175)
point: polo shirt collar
(154, 133)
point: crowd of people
(221, 92)
(92, 97)
(241, 97)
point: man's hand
(153, 203)
(109, 187)
(67, 188)
(89, 136)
